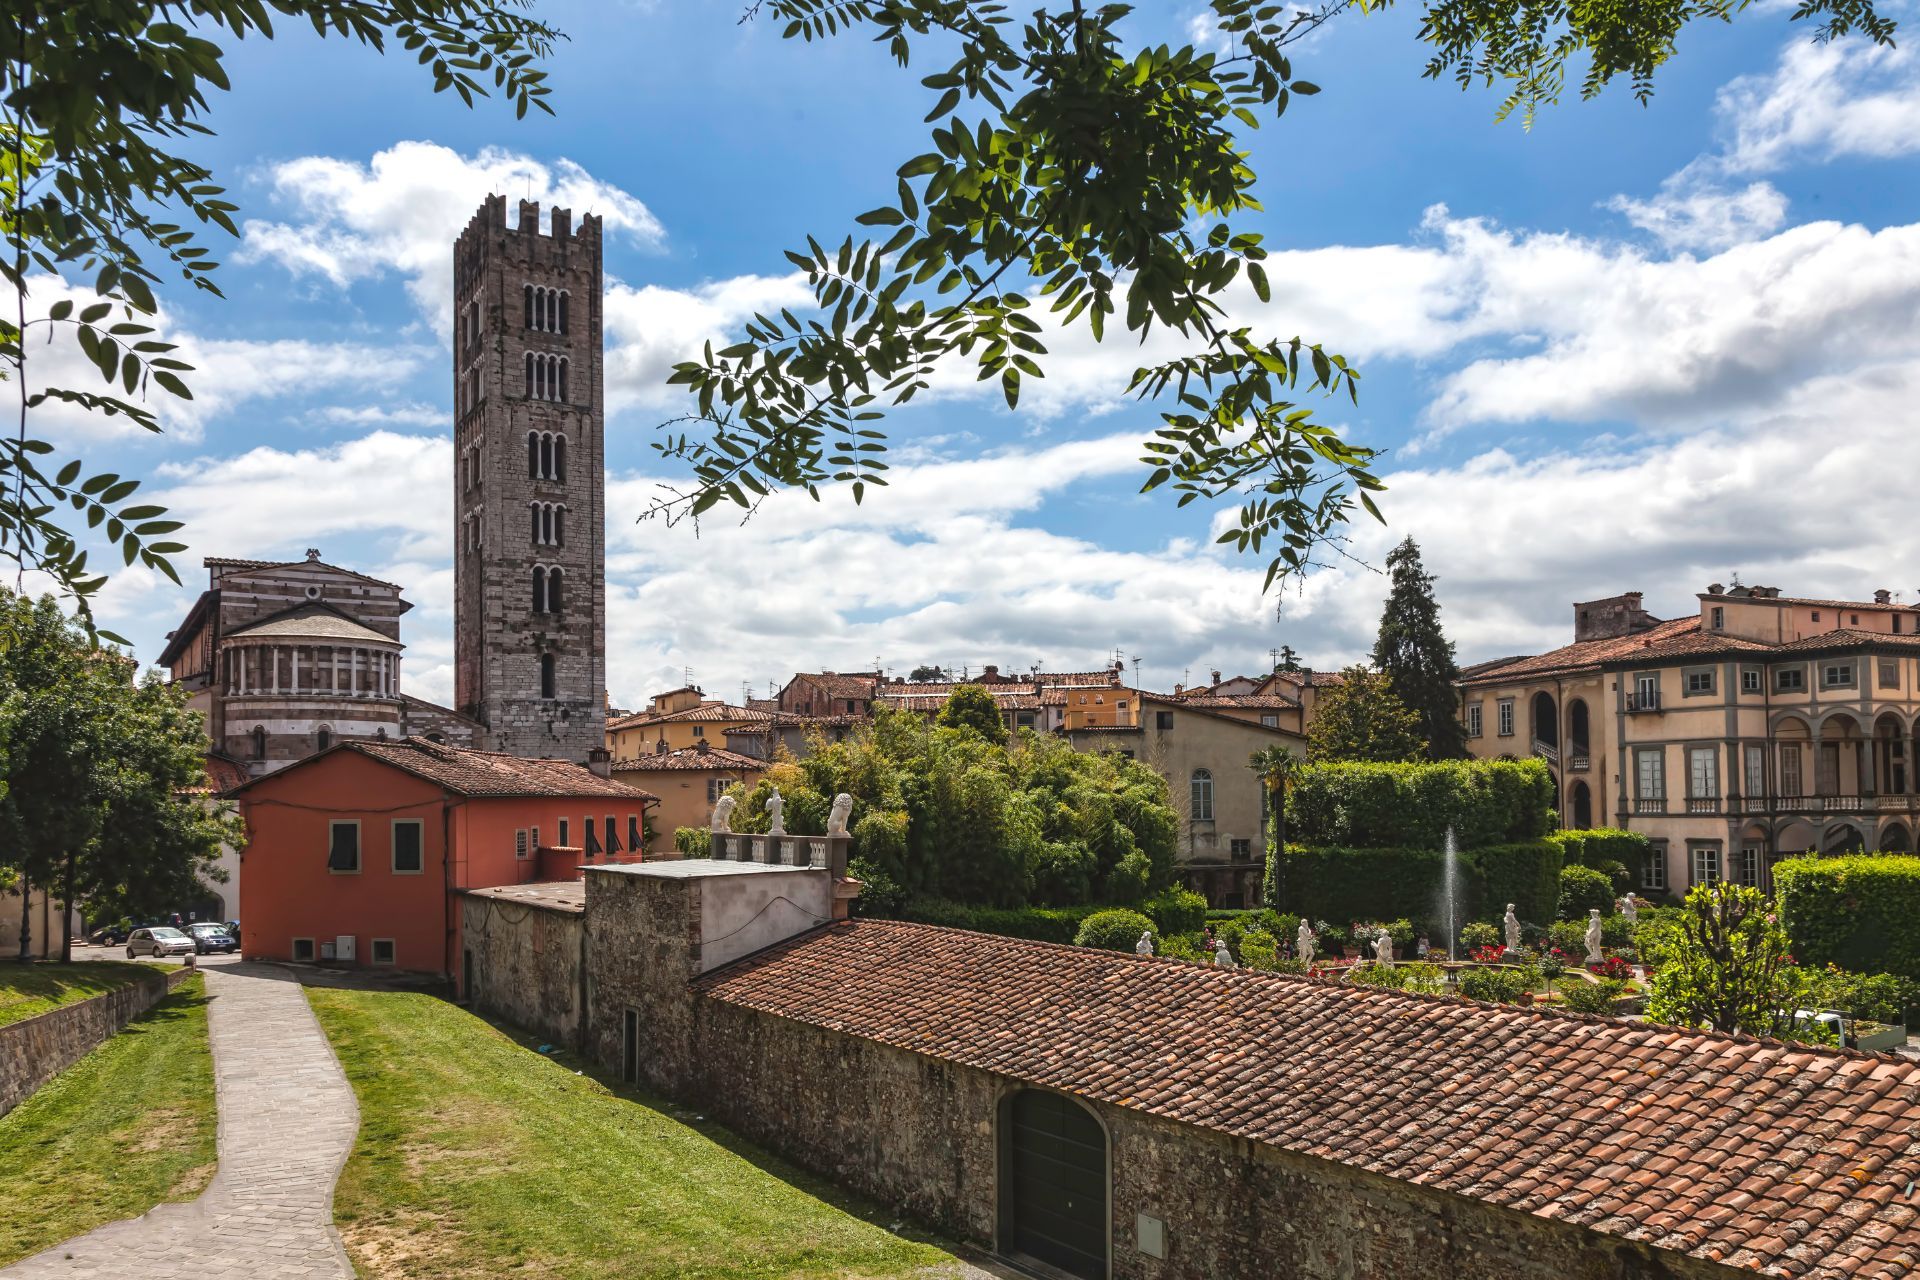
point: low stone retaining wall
(35, 1050)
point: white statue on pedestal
(722, 823)
(1630, 908)
(1305, 942)
(1512, 924)
(1383, 948)
(837, 818)
(1223, 958)
(776, 825)
(1144, 947)
(1593, 936)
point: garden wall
(36, 1049)
(529, 964)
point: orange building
(688, 782)
(354, 855)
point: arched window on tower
(529, 296)
(559, 458)
(559, 538)
(259, 743)
(555, 579)
(547, 451)
(530, 369)
(562, 396)
(563, 311)
(533, 455)
(322, 738)
(546, 675)
(553, 311)
(533, 511)
(539, 589)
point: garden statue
(1512, 924)
(1223, 958)
(1593, 937)
(722, 823)
(837, 817)
(1144, 947)
(1306, 941)
(776, 825)
(1383, 948)
(1630, 908)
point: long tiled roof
(1242, 701)
(1848, 638)
(1586, 655)
(850, 684)
(687, 758)
(705, 713)
(467, 772)
(1678, 638)
(1759, 1155)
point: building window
(700, 731)
(1756, 771)
(634, 837)
(1816, 615)
(1646, 690)
(1163, 720)
(563, 834)
(259, 743)
(1706, 863)
(590, 842)
(1242, 850)
(555, 578)
(1836, 675)
(539, 589)
(536, 837)
(1703, 773)
(1789, 679)
(322, 738)
(1699, 681)
(1719, 618)
(546, 676)
(383, 951)
(1751, 859)
(1269, 720)
(343, 847)
(612, 840)
(1651, 766)
(520, 843)
(303, 950)
(1506, 717)
(716, 787)
(1654, 874)
(1202, 795)
(1889, 673)
(1790, 769)
(1474, 724)
(408, 859)
(1750, 680)
(1826, 770)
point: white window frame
(1475, 722)
(1659, 756)
(1754, 769)
(359, 846)
(393, 846)
(1827, 670)
(1654, 874)
(1200, 795)
(520, 844)
(1703, 784)
(1505, 720)
(1704, 857)
(373, 952)
(1751, 680)
(1752, 857)
(1793, 781)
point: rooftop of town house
(686, 759)
(465, 772)
(223, 774)
(553, 895)
(705, 713)
(795, 719)
(1773, 1157)
(1245, 701)
(841, 684)
(1584, 655)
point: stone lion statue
(723, 816)
(837, 817)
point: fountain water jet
(1450, 892)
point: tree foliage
(98, 810)
(1361, 719)
(944, 813)
(1728, 965)
(972, 707)
(1415, 655)
(96, 195)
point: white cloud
(1822, 102)
(1687, 214)
(366, 415)
(399, 212)
(651, 329)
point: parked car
(160, 940)
(112, 935)
(233, 927)
(210, 937)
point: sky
(1638, 347)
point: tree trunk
(26, 915)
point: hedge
(1378, 806)
(1597, 847)
(1040, 924)
(1115, 929)
(693, 842)
(1341, 885)
(1858, 912)
(1176, 910)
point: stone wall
(35, 1050)
(643, 952)
(528, 965)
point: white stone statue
(1223, 958)
(1383, 948)
(1630, 909)
(1305, 942)
(1144, 947)
(1593, 936)
(776, 825)
(1512, 924)
(837, 817)
(722, 823)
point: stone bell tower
(529, 481)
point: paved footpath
(287, 1121)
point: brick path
(287, 1121)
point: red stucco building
(354, 856)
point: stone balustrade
(826, 852)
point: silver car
(159, 941)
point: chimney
(660, 746)
(1715, 588)
(701, 746)
(989, 673)
(1883, 596)
(1216, 677)
(600, 760)
(1179, 689)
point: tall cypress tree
(1416, 656)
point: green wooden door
(1056, 1192)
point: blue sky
(1634, 348)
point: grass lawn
(128, 1126)
(478, 1156)
(28, 989)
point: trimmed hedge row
(1380, 806)
(1601, 845)
(1340, 884)
(1861, 913)
(1040, 924)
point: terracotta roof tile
(223, 774)
(705, 713)
(1768, 1157)
(1587, 655)
(688, 758)
(474, 773)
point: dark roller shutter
(1057, 1184)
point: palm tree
(1275, 766)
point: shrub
(1591, 997)
(1177, 911)
(1598, 846)
(1496, 986)
(880, 894)
(1112, 930)
(1479, 934)
(1426, 979)
(1258, 950)
(1581, 890)
(1340, 883)
(1486, 802)
(1040, 924)
(1129, 880)
(1877, 997)
(693, 842)
(1857, 912)
(1182, 946)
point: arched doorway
(1054, 1183)
(1842, 837)
(1582, 807)
(1546, 727)
(1895, 839)
(1577, 731)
